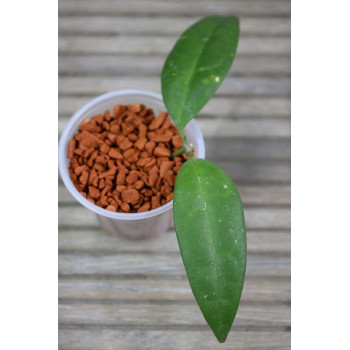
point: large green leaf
(197, 65)
(210, 228)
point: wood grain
(136, 264)
(187, 8)
(141, 65)
(164, 314)
(99, 242)
(159, 290)
(262, 218)
(138, 44)
(233, 86)
(187, 339)
(268, 149)
(93, 25)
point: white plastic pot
(127, 225)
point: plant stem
(188, 149)
(179, 152)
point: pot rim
(62, 159)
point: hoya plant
(208, 213)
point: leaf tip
(221, 334)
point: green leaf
(197, 65)
(210, 228)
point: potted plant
(207, 209)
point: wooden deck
(116, 294)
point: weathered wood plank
(98, 241)
(261, 218)
(170, 8)
(233, 86)
(158, 264)
(254, 172)
(135, 339)
(114, 64)
(245, 127)
(166, 314)
(162, 25)
(217, 106)
(170, 289)
(267, 195)
(138, 44)
(222, 148)
(251, 195)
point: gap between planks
(189, 8)
(101, 241)
(159, 277)
(157, 265)
(160, 45)
(163, 25)
(166, 314)
(255, 218)
(164, 290)
(231, 86)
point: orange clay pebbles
(122, 162)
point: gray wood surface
(118, 294)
